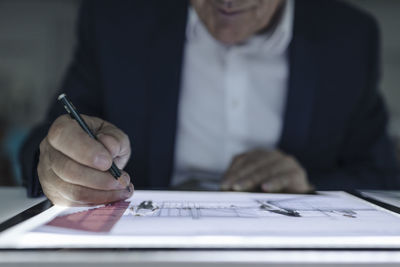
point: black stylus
(70, 108)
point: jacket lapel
(303, 60)
(163, 83)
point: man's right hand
(73, 168)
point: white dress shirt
(232, 98)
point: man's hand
(73, 168)
(270, 171)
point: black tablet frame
(25, 215)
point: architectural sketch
(299, 206)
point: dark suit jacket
(127, 70)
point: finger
(299, 183)
(55, 188)
(59, 200)
(49, 182)
(253, 166)
(290, 182)
(79, 195)
(238, 162)
(66, 136)
(116, 142)
(244, 159)
(42, 170)
(277, 184)
(75, 173)
(289, 176)
(277, 165)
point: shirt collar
(274, 41)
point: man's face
(233, 21)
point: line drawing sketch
(296, 207)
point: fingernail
(129, 190)
(101, 162)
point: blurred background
(36, 44)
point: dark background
(36, 43)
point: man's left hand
(270, 171)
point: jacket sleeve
(367, 157)
(81, 84)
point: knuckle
(115, 145)
(121, 136)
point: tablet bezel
(25, 215)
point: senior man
(244, 95)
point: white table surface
(14, 200)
